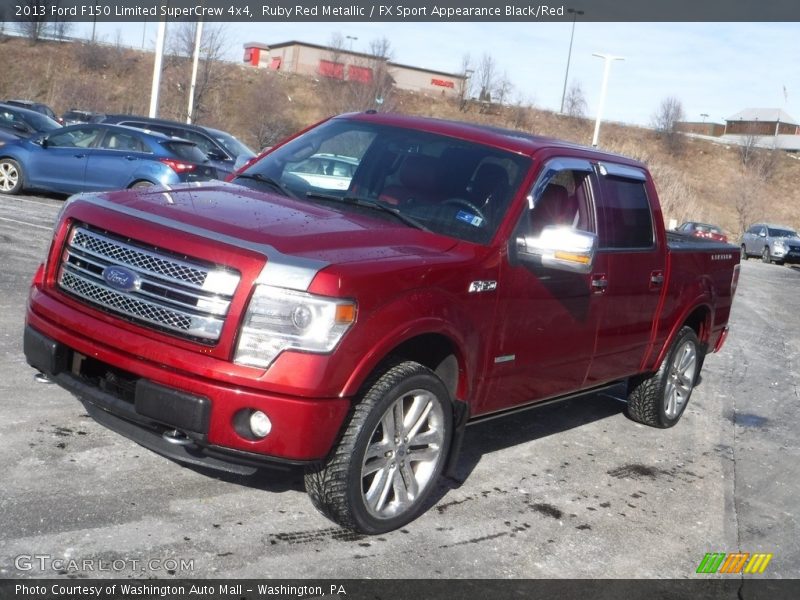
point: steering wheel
(468, 205)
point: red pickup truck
(355, 321)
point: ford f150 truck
(456, 273)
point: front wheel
(391, 454)
(765, 255)
(744, 253)
(659, 400)
(10, 176)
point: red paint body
(407, 283)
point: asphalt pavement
(571, 490)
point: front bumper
(184, 418)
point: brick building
(761, 122)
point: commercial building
(322, 61)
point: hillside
(700, 181)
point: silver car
(773, 243)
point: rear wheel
(391, 454)
(659, 400)
(10, 176)
(765, 255)
(142, 184)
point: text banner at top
(410, 10)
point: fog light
(260, 424)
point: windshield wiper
(270, 181)
(368, 203)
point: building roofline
(348, 53)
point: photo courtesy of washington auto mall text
(410, 300)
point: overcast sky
(712, 68)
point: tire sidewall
(422, 379)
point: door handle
(131, 158)
(599, 283)
(656, 279)
(79, 155)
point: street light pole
(608, 58)
(575, 14)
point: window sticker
(473, 220)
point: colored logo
(736, 562)
(121, 278)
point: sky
(716, 69)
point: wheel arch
(699, 319)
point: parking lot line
(26, 223)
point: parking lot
(570, 490)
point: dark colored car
(224, 151)
(99, 157)
(39, 107)
(773, 243)
(75, 116)
(23, 123)
(702, 230)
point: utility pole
(608, 58)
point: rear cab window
(625, 218)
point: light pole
(352, 39)
(575, 14)
(608, 58)
(705, 116)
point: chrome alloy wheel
(680, 379)
(402, 454)
(9, 177)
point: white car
(327, 171)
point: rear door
(634, 257)
(117, 157)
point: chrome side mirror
(560, 247)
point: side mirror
(42, 141)
(762, 233)
(216, 155)
(559, 247)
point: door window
(625, 220)
(82, 137)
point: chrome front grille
(178, 295)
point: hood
(325, 232)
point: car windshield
(38, 121)
(442, 184)
(234, 147)
(782, 233)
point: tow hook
(174, 436)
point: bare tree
(503, 88)
(665, 121)
(486, 75)
(366, 84)
(575, 101)
(210, 72)
(465, 91)
(749, 144)
(267, 127)
(36, 26)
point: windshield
(446, 185)
(782, 233)
(234, 147)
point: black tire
(765, 258)
(11, 177)
(744, 253)
(659, 400)
(371, 482)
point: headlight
(779, 245)
(278, 319)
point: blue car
(94, 157)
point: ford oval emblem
(121, 278)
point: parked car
(225, 152)
(23, 123)
(327, 171)
(36, 107)
(467, 272)
(75, 116)
(773, 243)
(702, 230)
(99, 157)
